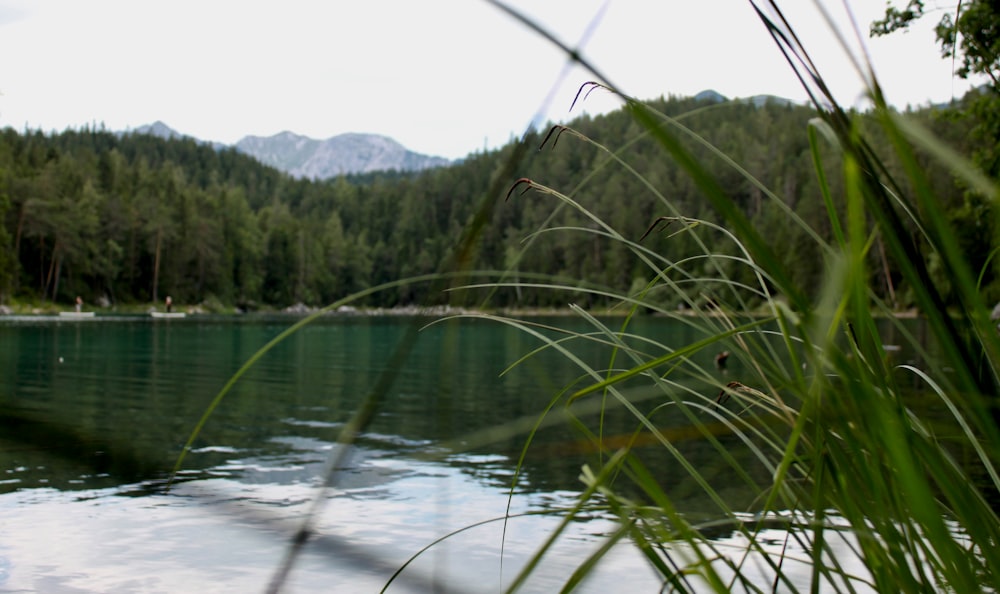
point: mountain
(309, 158)
(158, 129)
(304, 157)
(161, 130)
(301, 156)
(711, 96)
(761, 100)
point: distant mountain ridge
(713, 96)
(309, 158)
(158, 129)
(304, 157)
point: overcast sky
(443, 77)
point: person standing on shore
(79, 304)
(169, 303)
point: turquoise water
(97, 412)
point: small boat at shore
(167, 314)
(76, 315)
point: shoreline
(301, 310)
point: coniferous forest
(126, 219)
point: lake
(97, 412)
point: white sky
(443, 77)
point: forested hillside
(133, 218)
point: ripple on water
(226, 535)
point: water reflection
(96, 413)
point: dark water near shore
(97, 411)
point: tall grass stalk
(851, 488)
(867, 492)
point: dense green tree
(281, 257)
(970, 33)
(240, 279)
(135, 217)
(8, 261)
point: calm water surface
(96, 413)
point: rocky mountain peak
(302, 156)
